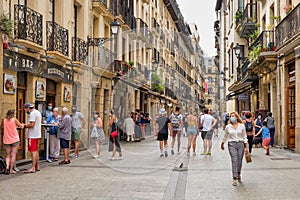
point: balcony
(142, 28)
(172, 8)
(57, 38)
(267, 41)
(288, 28)
(80, 50)
(249, 19)
(155, 26)
(28, 25)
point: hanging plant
(156, 83)
(6, 25)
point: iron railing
(57, 38)
(267, 41)
(104, 2)
(143, 27)
(250, 13)
(80, 50)
(288, 27)
(28, 24)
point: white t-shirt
(36, 117)
(207, 122)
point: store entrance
(291, 114)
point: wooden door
(20, 114)
(291, 114)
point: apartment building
(261, 41)
(66, 53)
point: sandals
(234, 182)
(64, 162)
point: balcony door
(291, 114)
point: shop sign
(19, 62)
(243, 97)
(59, 72)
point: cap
(28, 105)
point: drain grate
(280, 159)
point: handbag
(248, 157)
(94, 133)
(114, 134)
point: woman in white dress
(129, 127)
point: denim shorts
(191, 130)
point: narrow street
(144, 175)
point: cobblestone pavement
(144, 175)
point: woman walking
(129, 127)
(114, 142)
(250, 130)
(258, 126)
(11, 140)
(235, 134)
(97, 133)
(270, 124)
(192, 132)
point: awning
(232, 94)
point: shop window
(50, 87)
(22, 79)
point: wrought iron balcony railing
(143, 27)
(267, 41)
(249, 20)
(28, 24)
(173, 8)
(57, 38)
(288, 27)
(80, 50)
(104, 2)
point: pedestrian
(64, 134)
(114, 143)
(192, 132)
(177, 124)
(185, 124)
(207, 121)
(137, 128)
(97, 133)
(258, 126)
(34, 135)
(162, 125)
(250, 130)
(53, 130)
(271, 126)
(78, 123)
(143, 124)
(11, 139)
(265, 137)
(224, 115)
(129, 128)
(47, 113)
(148, 124)
(243, 117)
(235, 134)
(216, 127)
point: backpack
(175, 120)
(2, 165)
(249, 126)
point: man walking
(162, 125)
(177, 124)
(64, 134)
(34, 134)
(207, 121)
(78, 123)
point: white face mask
(259, 117)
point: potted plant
(6, 25)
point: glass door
(291, 114)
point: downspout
(279, 136)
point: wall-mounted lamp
(237, 50)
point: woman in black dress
(114, 143)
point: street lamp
(237, 50)
(114, 26)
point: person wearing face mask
(258, 126)
(235, 134)
(34, 134)
(78, 123)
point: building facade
(64, 52)
(260, 60)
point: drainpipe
(279, 100)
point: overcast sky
(201, 12)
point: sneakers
(96, 156)
(172, 152)
(74, 155)
(203, 153)
(161, 155)
(166, 154)
(188, 154)
(208, 153)
(194, 153)
(120, 158)
(112, 158)
(178, 152)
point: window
(241, 5)
(23, 2)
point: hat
(162, 111)
(28, 105)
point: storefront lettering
(27, 63)
(56, 71)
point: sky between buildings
(201, 12)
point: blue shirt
(265, 132)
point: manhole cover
(280, 159)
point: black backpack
(2, 165)
(249, 126)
